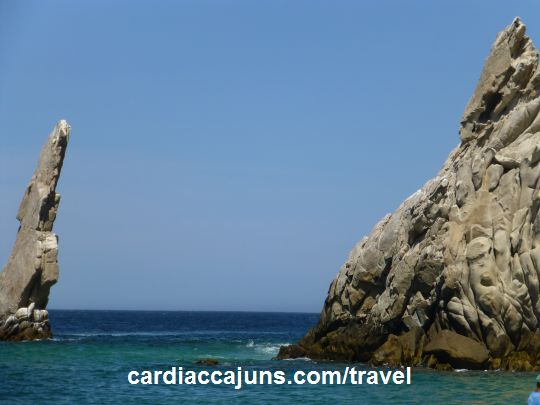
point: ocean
(92, 352)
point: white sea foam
(299, 359)
(266, 348)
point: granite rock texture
(460, 258)
(32, 267)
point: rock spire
(452, 278)
(32, 267)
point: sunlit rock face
(32, 267)
(461, 255)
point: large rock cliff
(32, 267)
(451, 279)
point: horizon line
(183, 310)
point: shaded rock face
(461, 255)
(32, 267)
(457, 351)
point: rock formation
(32, 267)
(451, 279)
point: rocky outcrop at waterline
(452, 278)
(32, 267)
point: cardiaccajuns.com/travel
(240, 378)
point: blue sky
(226, 155)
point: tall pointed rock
(452, 278)
(32, 267)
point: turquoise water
(92, 353)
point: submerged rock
(459, 261)
(32, 267)
(208, 361)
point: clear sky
(226, 155)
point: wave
(196, 333)
(258, 348)
(124, 334)
(299, 359)
(186, 337)
(266, 348)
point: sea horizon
(185, 310)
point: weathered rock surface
(458, 351)
(461, 256)
(32, 267)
